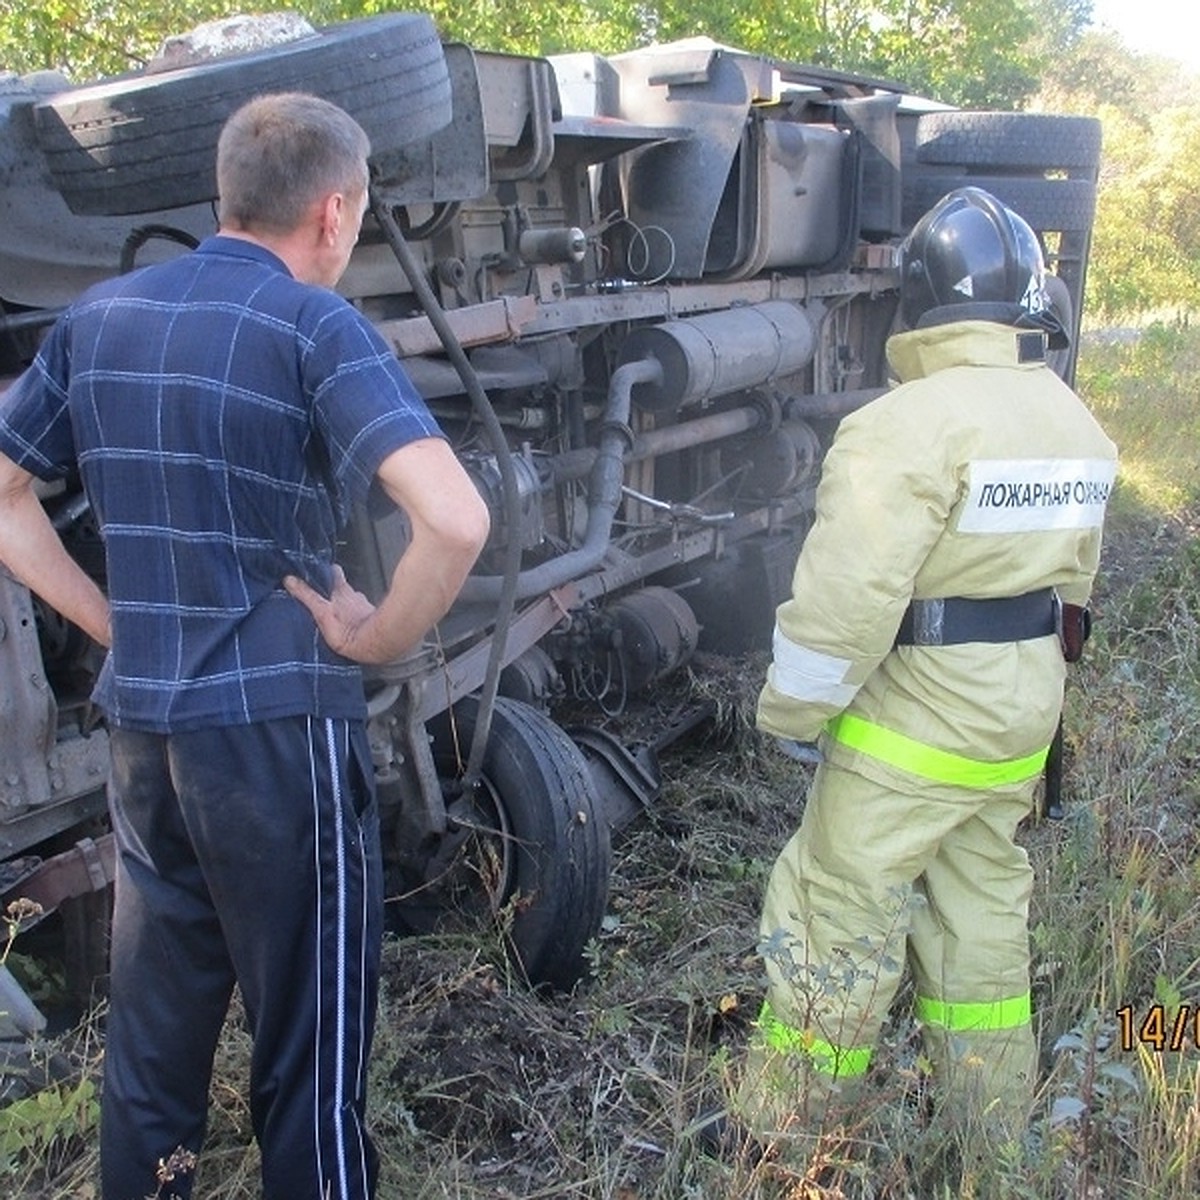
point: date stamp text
(1159, 1028)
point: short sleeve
(35, 417)
(365, 407)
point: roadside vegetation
(482, 1089)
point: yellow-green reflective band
(841, 1062)
(929, 762)
(964, 1017)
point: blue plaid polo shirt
(224, 418)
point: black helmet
(972, 258)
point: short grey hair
(281, 152)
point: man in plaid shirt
(224, 411)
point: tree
(977, 53)
(90, 38)
(1146, 244)
(1145, 253)
(1101, 70)
(972, 52)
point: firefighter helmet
(971, 257)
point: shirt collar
(235, 247)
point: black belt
(955, 619)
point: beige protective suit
(981, 476)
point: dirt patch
(476, 1054)
(1136, 545)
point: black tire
(539, 857)
(1062, 205)
(1009, 141)
(148, 142)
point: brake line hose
(506, 599)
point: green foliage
(975, 53)
(542, 28)
(1142, 387)
(40, 979)
(46, 1126)
(89, 38)
(1145, 254)
(1146, 246)
(1099, 1095)
(972, 52)
(1101, 71)
(1115, 924)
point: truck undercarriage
(637, 291)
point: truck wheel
(146, 142)
(1062, 205)
(1010, 141)
(530, 848)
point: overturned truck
(638, 291)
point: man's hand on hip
(341, 617)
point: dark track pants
(248, 855)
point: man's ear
(331, 214)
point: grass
(1143, 392)
(482, 1090)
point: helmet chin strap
(1001, 313)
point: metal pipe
(35, 319)
(695, 433)
(575, 464)
(552, 245)
(830, 404)
(604, 496)
(719, 353)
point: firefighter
(957, 534)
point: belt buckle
(928, 622)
